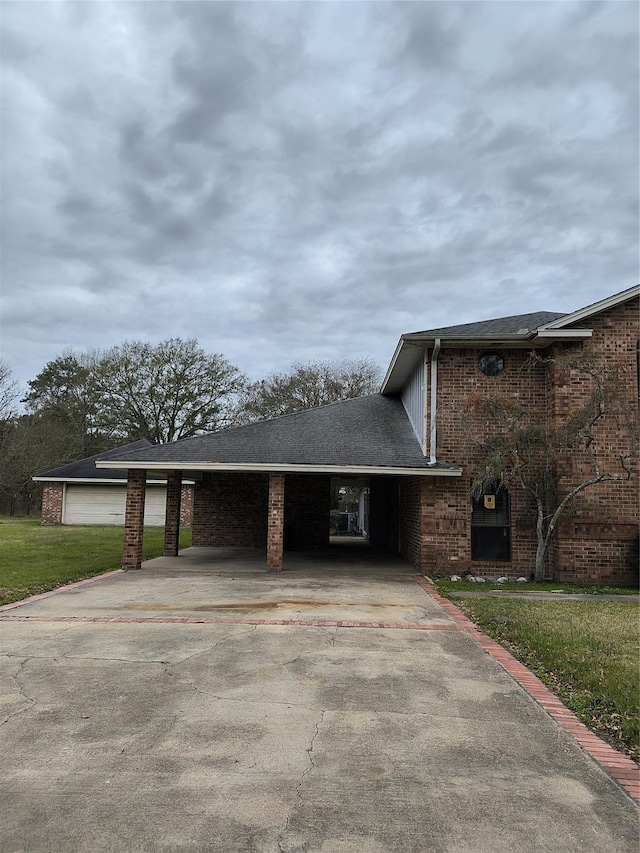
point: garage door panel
(106, 505)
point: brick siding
(446, 523)
(134, 519)
(412, 542)
(186, 505)
(172, 514)
(593, 539)
(52, 500)
(230, 509)
(275, 522)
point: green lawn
(587, 652)
(445, 586)
(35, 559)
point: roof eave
(548, 336)
(596, 308)
(400, 368)
(402, 364)
(100, 481)
(285, 468)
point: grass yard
(587, 652)
(35, 559)
(445, 586)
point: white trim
(433, 432)
(277, 468)
(564, 334)
(481, 340)
(102, 481)
(392, 364)
(596, 308)
(425, 414)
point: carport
(267, 485)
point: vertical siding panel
(413, 400)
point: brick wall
(593, 540)
(230, 510)
(412, 545)
(446, 526)
(52, 497)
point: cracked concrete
(274, 739)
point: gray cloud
(301, 180)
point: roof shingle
(365, 431)
(514, 325)
(85, 469)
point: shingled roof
(366, 432)
(518, 324)
(85, 469)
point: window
(491, 527)
(491, 363)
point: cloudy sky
(286, 181)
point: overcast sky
(286, 181)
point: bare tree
(308, 385)
(9, 393)
(513, 447)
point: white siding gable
(414, 400)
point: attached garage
(78, 493)
(100, 504)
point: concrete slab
(158, 736)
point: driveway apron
(202, 704)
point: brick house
(267, 485)
(77, 493)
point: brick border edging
(58, 589)
(625, 771)
(197, 620)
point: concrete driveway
(167, 710)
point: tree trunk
(541, 550)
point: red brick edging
(625, 771)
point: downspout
(434, 403)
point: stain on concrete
(246, 606)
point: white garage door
(105, 505)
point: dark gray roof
(85, 469)
(494, 328)
(366, 431)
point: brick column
(52, 501)
(172, 514)
(134, 519)
(275, 523)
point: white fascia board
(102, 481)
(392, 365)
(405, 358)
(596, 308)
(563, 334)
(266, 468)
